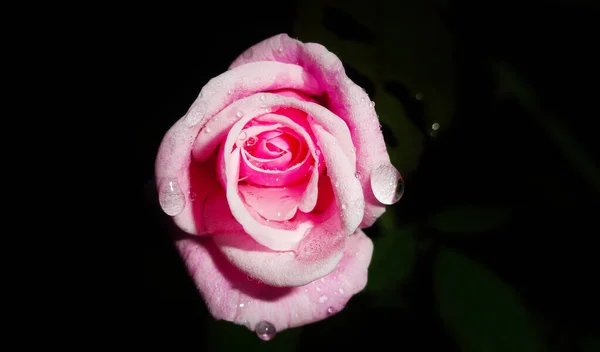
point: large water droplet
(371, 104)
(171, 198)
(265, 330)
(387, 184)
(435, 126)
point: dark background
(499, 217)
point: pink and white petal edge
(232, 296)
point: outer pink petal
(347, 189)
(347, 100)
(176, 149)
(230, 295)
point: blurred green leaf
(226, 336)
(573, 151)
(403, 42)
(393, 260)
(469, 219)
(483, 313)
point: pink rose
(272, 172)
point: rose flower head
(271, 175)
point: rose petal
(273, 203)
(347, 188)
(273, 238)
(315, 256)
(230, 295)
(243, 81)
(347, 100)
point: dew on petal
(192, 196)
(330, 311)
(341, 290)
(322, 299)
(250, 142)
(371, 104)
(265, 330)
(435, 126)
(242, 136)
(387, 184)
(239, 114)
(263, 97)
(171, 197)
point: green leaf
(393, 260)
(483, 313)
(469, 219)
(394, 41)
(573, 152)
(226, 336)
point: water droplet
(230, 91)
(318, 152)
(192, 196)
(318, 289)
(171, 198)
(435, 126)
(341, 290)
(268, 110)
(280, 49)
(278, 214)
(276, 180)
(249, 278)
(262, 97)
(207, 130)
(242, 136)
(322, 279)
(371, 104)
(265, 330)
(337, 184)
(343, 206)
(419, 96)
(241, 305)
(322, 299)
(356, 175)
(196, 113)
(387, 184)
(239, 114)
(250, 142)
(330, 310)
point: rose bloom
(271, 174)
